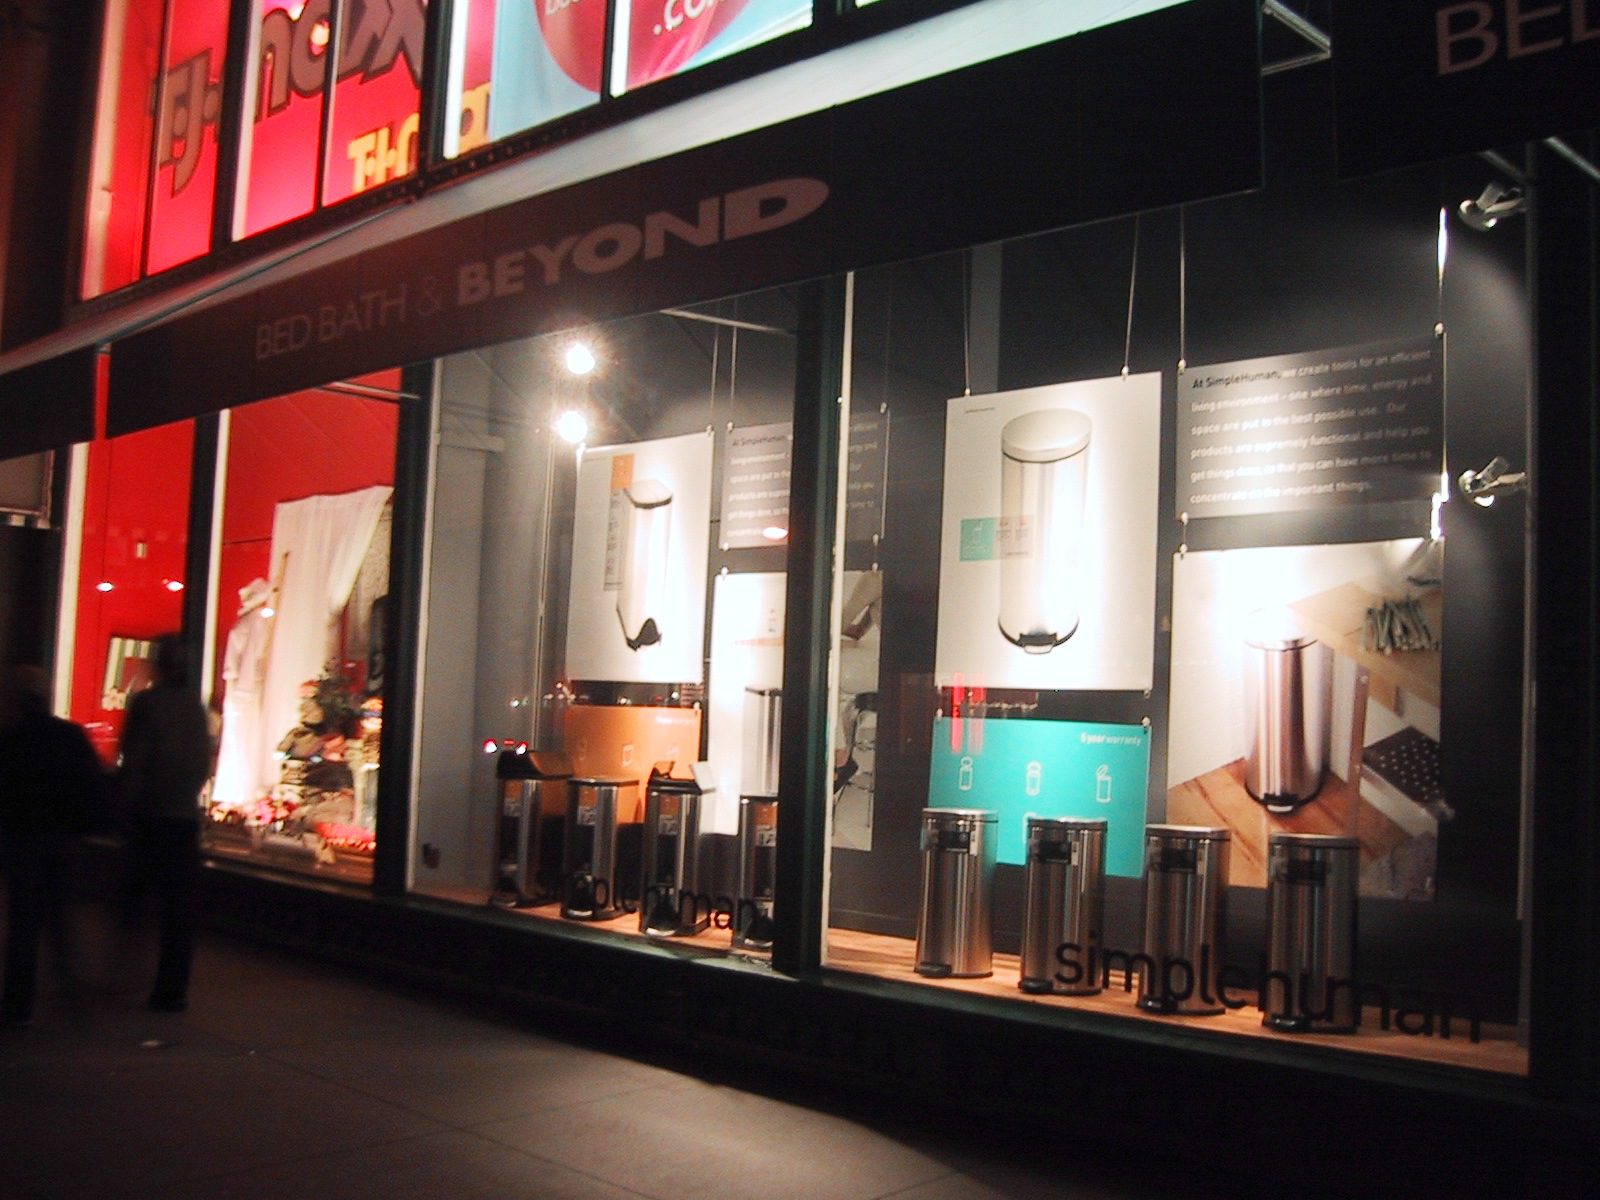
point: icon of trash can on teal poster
(1050, 769)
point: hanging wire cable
(716, 355)
(1183, 289)
(1133, 280)
(966, 323)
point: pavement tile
(712, 1141)
(453, 1164)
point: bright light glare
(173, 585)
(580, 359)
(775, 533)
(490, 745)
(573, 426)
(1444, 240)
(269, 612)
(105, 585)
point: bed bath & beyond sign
(741, 213)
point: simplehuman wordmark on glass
(1321, 429)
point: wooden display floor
(345, 867)
(894, 959)
(1219, 798)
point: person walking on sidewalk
(166, 758)
(51, 793)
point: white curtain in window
(318, 545)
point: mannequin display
(244, 660)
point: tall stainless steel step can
(763, 734)
(590, 889)
(758, 874)
(1311, 933)
(1288, 680)
(672, 902)
(1066, 890)
(954, 924)
(532, 787)
(1044, 465)
(1185, 904)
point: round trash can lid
(1045, 435)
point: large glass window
(131, 571)
(1163, 694)
(373, 52)
(665, 37)
(154, 166)
(302, 587)
(515, 65)
(602, 684)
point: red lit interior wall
(184, 196)
(373, 135)
(114, 230)
(279, 174)
(135, 537)
(303, 444)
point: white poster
(639, 547)
(746, 675)
(1047, 571)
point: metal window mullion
(805, 775)
(330, 80)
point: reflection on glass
(594, 626)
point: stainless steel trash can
(758, 874)
(1311, 933)
(1185, 899)
(954, 935)
(590, 889)
(671, 901)
(532, 788)
(763, 731)
(645, 578)
(1288, 680)
(1044, 464)
(1065, 887)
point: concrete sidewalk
(290, 1079)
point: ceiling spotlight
(572, 426)
(1493, 479)
(580, 359)
(1496, 203)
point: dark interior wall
(46, 56)
(1308, 263)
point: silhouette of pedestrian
(51, 793)
(166, 757)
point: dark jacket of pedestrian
(50, 793)
(166, 756)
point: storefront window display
(1190, 663)
(602, 682)
(302, 586)
(160, 106)
(131, 571)
(293, 154)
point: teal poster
(1048, 769)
